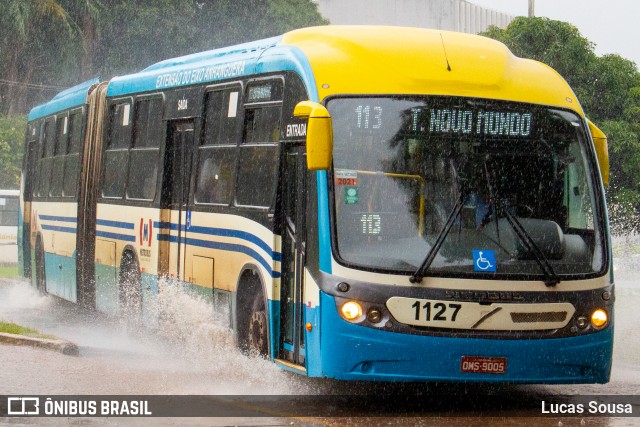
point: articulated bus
(365, 203)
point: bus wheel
(258, 334)
(41, 280)
(130, 286)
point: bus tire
(251, 315)
(258, 331)
(130, 286)
(41, 276)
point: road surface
(194, 356)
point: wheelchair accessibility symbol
(484, 260)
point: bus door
(175, 215)
(293, 255)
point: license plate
(483, 365)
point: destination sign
(494, 123)
(446, 120)
(259, 93)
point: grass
(9, 271)
(13, 328)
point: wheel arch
(250, 281)
(129, 285)
(132, 250)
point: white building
(454, 15)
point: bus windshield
(490, 187)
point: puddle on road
(192, 344)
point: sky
(613, 25)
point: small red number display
(347, 181)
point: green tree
(156, 30)
(624, 189)
(63, 42)
(610, 92)
(47, 45)
(229, 22)
(555, 43)
(11, 146)
(608, 88)
(87, 17)
(602, 84)
(30, 29)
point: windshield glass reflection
(521, 173)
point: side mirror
(319, 134)
(602, 150)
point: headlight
(351, 310)
(599, 318)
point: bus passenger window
(147, 123)
(215, 175)
(221, 115)
(116, 156)
(72, 159)
(262, 125)
(144, 155)
(120, 128)
(45, 162)
(75, 133)
(217, 153)
(258, 166)
(59, 151)
(257, 175)
(113, 182)
(143, 174)
(49, 138)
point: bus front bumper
(354, 352)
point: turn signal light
(582, 322)
(374, 315)
(599, 318)
(351, 310)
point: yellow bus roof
(399, 60)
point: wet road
(194, 356)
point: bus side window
(59, 151)
(46, 158)
(144, 155)
(72, 157)
(32, 156)
(576, 198)
(258, 166)
(257, 177)
(217, 153)
(116, 156)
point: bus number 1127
(440, 309)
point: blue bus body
(85, 245)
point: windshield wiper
(424, 266)
(550, 276)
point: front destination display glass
(487, 188)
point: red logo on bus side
(146, 232)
